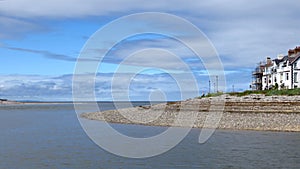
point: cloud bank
(49, 88)
(243, 32)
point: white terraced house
(280, 73)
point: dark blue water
(50, 136)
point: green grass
(247, 92)
(212, 95)
(287, 92)
(274, 92)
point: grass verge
(286, 92)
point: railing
(257, 82)
(257, 72)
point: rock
(252, 112)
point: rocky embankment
(252, 112)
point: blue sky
(41, 40)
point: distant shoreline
(10, 102)
(252, 112)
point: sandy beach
(252, 112)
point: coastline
(9, 102)
(252, 112)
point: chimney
(269, 61)
(280, 56)
(290, 52)
(297, 49)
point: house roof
(292, 57)
(288, 58)
(295, 58)
(277, 61)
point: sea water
(50, 136)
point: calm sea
(50, 136)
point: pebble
(252, 112)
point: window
(295, 77)
(287, 76)
(284, 64)
(295, 65)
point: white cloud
(233, 26)
(246, 43)
(138, 86)
(71, 8)
(44, 53)
(34, 87)
(13, 28)
(45, 88)
(213, 8)
(244, 31)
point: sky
(41, 43)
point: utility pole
(232, 88)
(214, 87)
(208, 86)
(217, 78)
